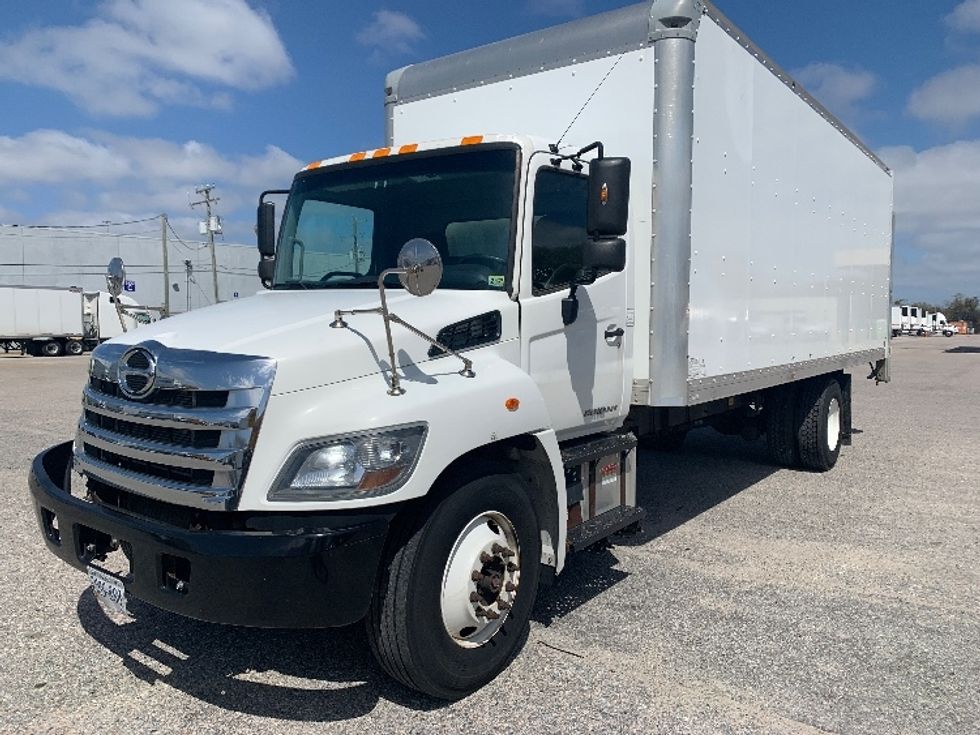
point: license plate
(108, 589)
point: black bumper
(276, 570)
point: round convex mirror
(115, 274)
(423, 267)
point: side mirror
(608, 254)
(115, 275)
(267, 269)
(265, 229)
(609, 197)
(421, 267)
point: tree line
(959, 308)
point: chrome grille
(189, 440)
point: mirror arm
(395, 388)
(466, 372)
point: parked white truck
(55, 321)
(312, 456)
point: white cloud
(391, 31)
(950, 98)
(138, 54)
(98, 176)
(936, 196)
(839, 89)
(965, 17)
(557, 8)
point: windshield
(343, 227)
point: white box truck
(623, 227)
(52, 321)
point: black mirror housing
(265, 229)
(606, 254)
(609, 197)
(267, 269)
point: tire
(819, 434)
(74, 347)
(407, 622)
(781, 426)
(51, 348)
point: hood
(293, 328)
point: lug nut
(503, 551)
(512, 567)
(476, 576)
(504, 605)
(474, 597)
(480, 612)
(492, 614)
(510, 587)
(485, 557)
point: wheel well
(523, 455)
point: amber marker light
(512, 404)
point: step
(603, 526)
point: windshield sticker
(496, 281)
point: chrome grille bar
(171, 418)
(196, 496)
(217, 460)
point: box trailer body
(624, 228)
(54, 320)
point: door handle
(614, 332)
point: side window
(331, 238)
(558, 233)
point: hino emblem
(137, 372)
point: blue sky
(116, 110)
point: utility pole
(188, 269)
(210, 226)
(166, 269)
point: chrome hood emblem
(136, 373)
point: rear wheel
(453, 602)
(780, 414)
(51, 348)
(820, 431)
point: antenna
(582, 108)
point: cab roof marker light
(381, 153)
(410, 148)
(472, 140)
(358, 156)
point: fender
(462, 414)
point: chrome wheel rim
(480, 580)
(833, 424)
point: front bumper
(274, 570)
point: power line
(83, 227)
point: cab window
(558, 234)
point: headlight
(350, 466)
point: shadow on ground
(304, 675)
(673, 487)
(330, 675)
(962, 349)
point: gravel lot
(757, 600)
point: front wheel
(453, 603)
(74, 347)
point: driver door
(580, 367)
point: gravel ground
(757, 600)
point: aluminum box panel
(791, 225)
